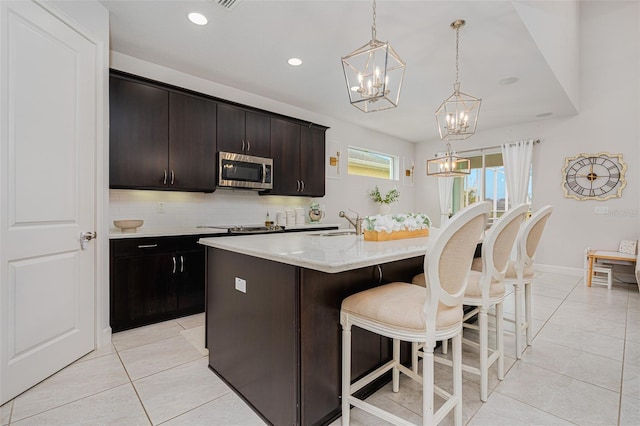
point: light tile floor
(583, 368)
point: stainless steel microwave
(244, 171)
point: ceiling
(247, 48)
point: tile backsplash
(161, 209)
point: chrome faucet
(357, 224)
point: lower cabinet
(155, 279)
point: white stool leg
(527, 304)
(414, 357)
(500, 339)
(518, 318)
(346, 372)
(444, 346)
(427, 385)
(395, 372)
(483, 321)
(457, 378)
(609, 278)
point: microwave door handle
(263, 173)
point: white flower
(397, 222)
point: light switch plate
(241, 285)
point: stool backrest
(498, 244)
(529, 236)
(449, 256)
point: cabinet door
(142, 290)
(312, 168)
(257, 134)
(192, 143)
(138, 135)
(285, 151)
(191, 281)
(230, 129)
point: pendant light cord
(457, 54)
(373, 27)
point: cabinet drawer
(153, 245)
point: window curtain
(516, 157)
(445, 189)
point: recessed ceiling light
(544, 114)
(198, 18)
(507, 81)
(294, 62)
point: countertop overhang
(315, 250)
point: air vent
(227, 4)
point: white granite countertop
(142, 232)
(313, 250)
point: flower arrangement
(388, 199)
(397, 222)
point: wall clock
(594, 176)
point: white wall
(608, 121)
(247, 207)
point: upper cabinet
(242, 131)
(160, 139)
(298, 153)
(163, 137)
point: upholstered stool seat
(399, 305)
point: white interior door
(47, 165)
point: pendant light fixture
(448, 164)
(374, 74)
(457, 117)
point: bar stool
(520, 273)
(486, 290)
(403, 311)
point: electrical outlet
(241, 285)
(161, 207)
(602, 210)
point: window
(363, 162)
(486, 182)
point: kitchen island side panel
(252, 335)
(321, 296)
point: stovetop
(247, 229)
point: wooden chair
(520, 273)
(485, 290)
(402, 311)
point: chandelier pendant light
(448, 164)
(374, 74)
(457, 117)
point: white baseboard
(559, 270)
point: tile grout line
(146, 413)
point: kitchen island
(273, 305)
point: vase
(384, 208)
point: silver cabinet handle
(243, 144)
(174, 264)
(181, 263)
(302, 189)
(147, 245)
(248, 145)
(164, 179)
(172, 177)
(380, 274)
(298, 187)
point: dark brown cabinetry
(292, 315)
(155, 279)
(160, 139)
(242, 131)
(298, 159)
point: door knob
(85, 237)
